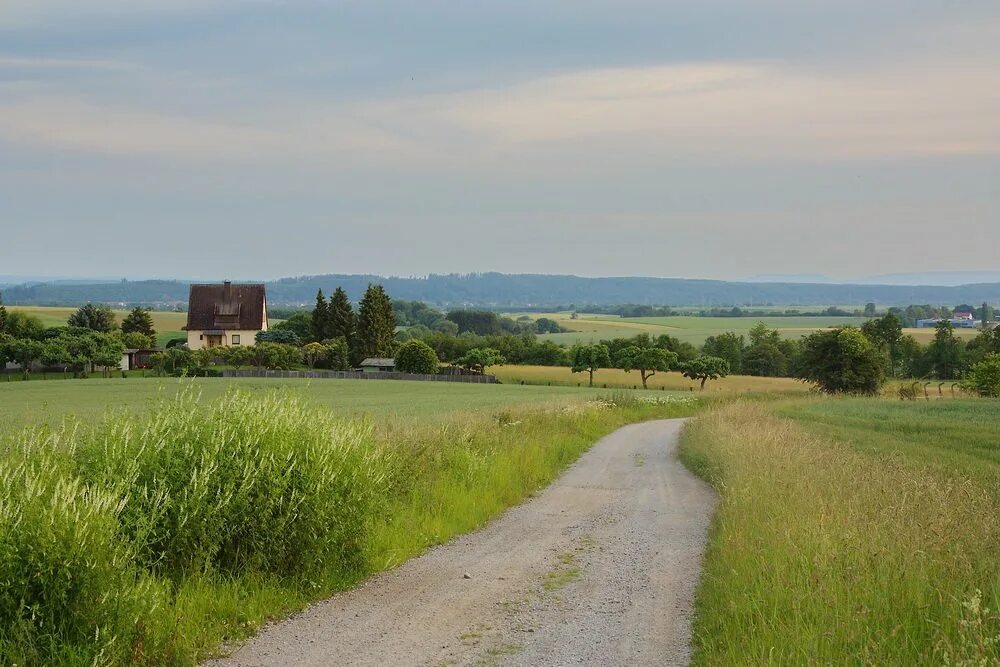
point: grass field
(851, 531)
(48, 402)
(617, 378)
(153, 539)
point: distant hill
(498, 290)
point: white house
(225, 315)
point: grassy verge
(837, 541)
(615, 378)
(155, 539)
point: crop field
(615, 378)
(850, 531)
(48, 402)
(691, 329)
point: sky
(713, 139)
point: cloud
(744, 110)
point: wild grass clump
(152, 540)
(824, 554)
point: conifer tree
(376, 323)
(342, 322)
(139, 321)
(321, 318)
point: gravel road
(599, 569)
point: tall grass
(824, 554)
(153, 540)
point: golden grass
(822, 553)
(617, 378)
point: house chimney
(227, 290)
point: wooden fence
(357, 375)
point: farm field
(850, 530)
(589, 328)
(48, 402)
(617, 378)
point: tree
(237, 356)
(342, 321)
(870, 310)
(3, 315)
(313, 353)
(705, 368)
(300, 324)
(729, 346)
(376, 324)
(96, 317)
(174, 360)
(647, 361)
(984, 377)
(842, 361)
(139, 321)
(275, 356)
(986, 315)
(321, 324)
(337, 357)
(590, 358)
(24, 352)
(22, 325)
(416, 356)
(135, 340)
(108, 352)
(767, 355)
(887, 334)
(944, 358)
(480, 358)
(276, 335)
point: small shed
(137, 359)
(378, 365)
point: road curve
(599, 569)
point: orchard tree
(135, 340)
(108, 353)
(590, 358)
(237, 356)
(480, 358)
(96, 317)
(376, 324)
(705, 368)
(24, 352)
(842, 361)
(313, 353)
(139, 321)
(646, 360)
(416, 356)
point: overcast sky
(718, 138)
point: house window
(201, 337)
(236, 339)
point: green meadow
(850, 531)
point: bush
(416, 356)
(984, 377)
(842, 361)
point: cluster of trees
(910, 314)
(648, 356)
(91, 339)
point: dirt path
(599, 569)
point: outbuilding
(378, 365)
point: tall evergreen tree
(342, 324)
(3, 315)
(376, 323)
(139, 321)
(321, 318)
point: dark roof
(226, 306)
(378, 361)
